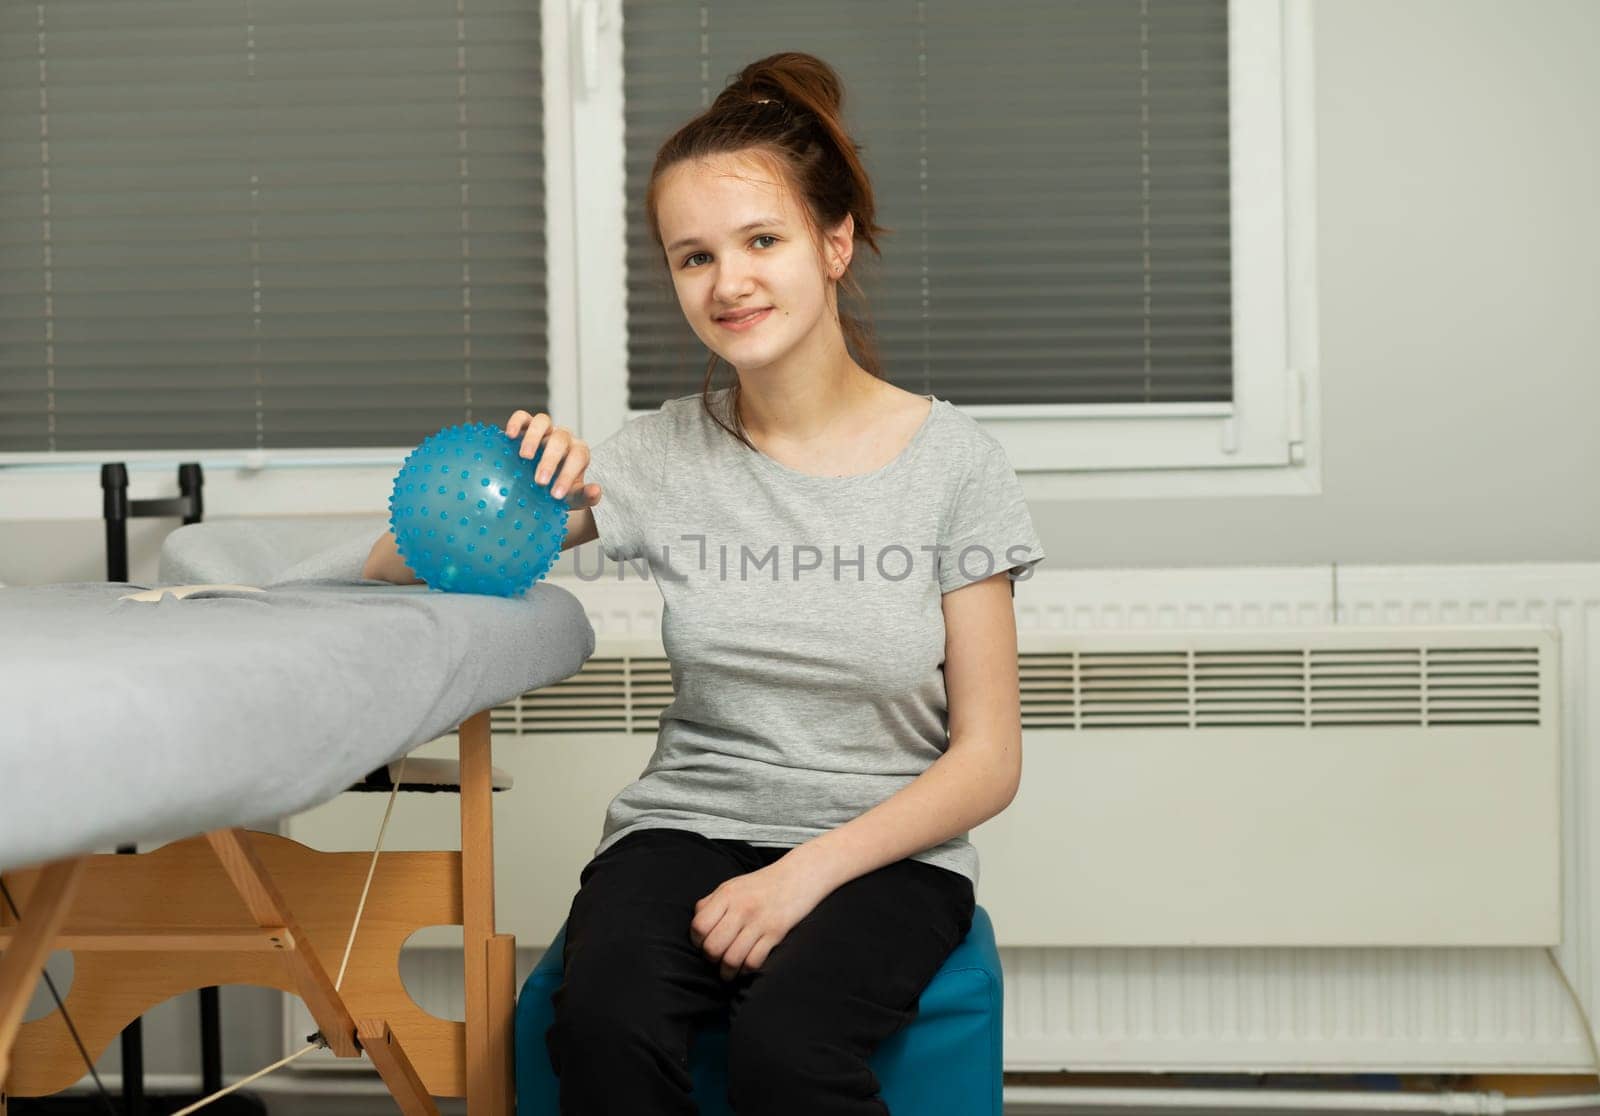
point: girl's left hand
(741, 922)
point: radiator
(1288, 820)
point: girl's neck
(807, 407)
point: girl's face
(745, 266)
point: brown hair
(785, 109)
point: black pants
(846, 977)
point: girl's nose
(733, 283)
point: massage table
(186, 719)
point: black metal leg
(210, 1041)
(133, 1068)
(190, 481)
(132, 1048)
(117, 510)
(114, 481)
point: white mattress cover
(130, 722)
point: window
(1089, 246)
(268, 227)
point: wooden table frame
(238, 907)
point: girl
(834, 556)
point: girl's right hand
(564, 450)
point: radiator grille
(1082, 690)
(620, 693)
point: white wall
(1458, 245)
(1458, 237)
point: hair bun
(795, 78)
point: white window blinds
(269, 223)
(1055, 175)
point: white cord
(203, 1101)
(394, 792)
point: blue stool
(947, 1060)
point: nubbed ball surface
(469, 517)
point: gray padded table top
(124, 721)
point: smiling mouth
(744, 320)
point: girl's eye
(689, 262)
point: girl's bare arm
(385, 564)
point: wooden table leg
(477, 907)
(502, 1000)
(395, 1068)
(24, 960)
(267, 907)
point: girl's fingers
(522, 420)
(733, 957)
(562, 450)
(538, 427)
(586, 496)
(571, 470)
(758, 956)
(555, 448)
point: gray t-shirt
(801, 617)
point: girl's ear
(841, 242)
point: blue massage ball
(469, 517)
